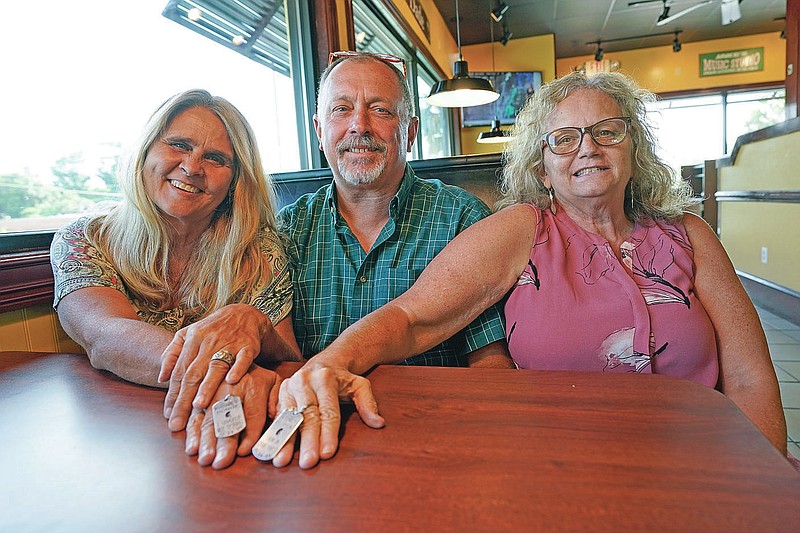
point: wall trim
(775, 298)
(788, 126)
(26, 279)
(758, 196)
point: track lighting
(598, 56)
(666, 18)
(506, 35)
(663, 16)
(498, 11)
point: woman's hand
(193, 378)
(318, 386)
(258, 390)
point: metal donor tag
(228, 416)
(278, 433)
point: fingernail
(167, 412)
(327, 450)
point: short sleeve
(77, 264)
(275, 299)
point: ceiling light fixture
(507, 35)
(664, 14)
(676, 43)
(498, 11)
(496, 135)
(730, 11)
(666, 18)
(461, 90)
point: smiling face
(189, 168)
(359, 123)
(593, 173)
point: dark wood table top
(462, 450)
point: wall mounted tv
(514, 89)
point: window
(86, 75)
(753, 110)
(374, 33)
(689, 130)
(694, 129)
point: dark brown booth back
(477, 174)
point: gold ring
(225, 356)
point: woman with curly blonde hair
(187, 270)
(600, 266)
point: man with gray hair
(364, 239)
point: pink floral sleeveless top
(577, 307)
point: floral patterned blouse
(77, 264)
(576, 306)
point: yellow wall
(340, 16)
(660, 70)
(749, 226)
(34, 329)
(442, 45)
(528, 53)
(770, 164)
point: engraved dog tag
(228, 416)
(278, 433)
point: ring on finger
(225, 356)
(302, 410)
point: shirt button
(362, 279)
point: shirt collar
(399, 201)
(395, 206)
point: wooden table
(463, 450)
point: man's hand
(319, 388)
(258, 390)
(193, 378)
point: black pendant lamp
(461, 90)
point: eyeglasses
(607, 132)
(389, 59)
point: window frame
(418, 59)
(724, 93)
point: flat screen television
(514, 89)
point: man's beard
(363, 172)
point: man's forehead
(369, 71)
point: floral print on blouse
(577, 306)
(77, 264)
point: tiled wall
(34, 329)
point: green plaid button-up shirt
(336, 282)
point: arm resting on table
(102, 321)
(746, 373)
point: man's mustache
(360, 142)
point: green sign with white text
(732, 62)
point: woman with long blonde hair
(187, 269)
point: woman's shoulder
(270, 241)
(695, 228)
(520, 211)
(76, 226)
